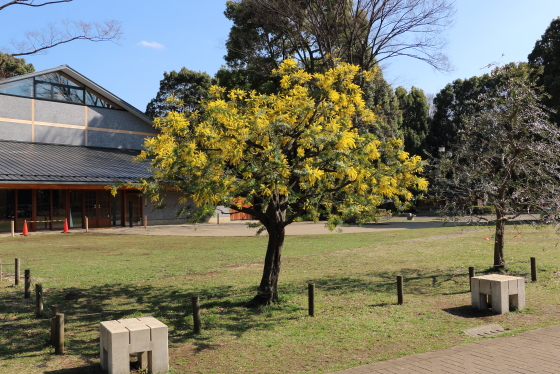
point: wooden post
(59, 334)
(54, 312)
(130, 213)
(87, 225)
(311, 300)
(196, 314)
(533, 269)
(16, 277)
(38, 300)
(27, 292)
(400, 289)
(218, 217)
(471, 274)
(145, 222)
(12, 223)
(0, 270)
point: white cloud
(151, 44)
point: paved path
(239, 228)
(532, 352)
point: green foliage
(415, 114)
(381, 99)
(190, 87)
(13, 66)
(545, 57)
(451, 104)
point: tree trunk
(268, 288)
(499, 261)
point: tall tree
(546, 58)
(56, 34)
(507, 155)
(14, 66)
(292, 153)
(455, 101)
(415, 113)
(190, 87)
(319, 32)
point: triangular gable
(95, 91)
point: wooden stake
(311, 299)
(533, 269)
(59, 334)
(16, 277)
(145, 222)
(400, 289)
(54, 312)
(38, 300)
(196, 314)
(13, 228)
(27, 292)
(471, 274)
(218, 217)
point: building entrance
(97, 208)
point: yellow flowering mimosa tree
(290, 154)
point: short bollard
(59, 334)
(87, 225)
(533, 269)
(27, 291)
(218, 217)
(38, 300)
(16, 277)
(12, 223)
(471, 274)
(400, 289)
(54, 312)
(196, 314)
(145, 222)
(311, 294)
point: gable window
(57, 87)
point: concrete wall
(44, 121)
(167, 216)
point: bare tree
(507, 156)
(39, 41)
(361, 32)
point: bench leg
(142, 360)
(117, 353)
(500, 297)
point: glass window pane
(74, 95)
(59, 208)
(7, 201)
(43, 209)
(24, 208)
(19, 88)
(58, 78)
(43, 90)
(93, 99)
(75, 209)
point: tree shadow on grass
(222, 308)
(467, 311)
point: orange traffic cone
(66, 231)
(25, 232)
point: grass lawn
(94, 277)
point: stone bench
(499, 291)
(145, 336)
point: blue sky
(166, 35)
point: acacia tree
(507, 155)
(39, 41)
(287, 154)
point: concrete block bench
(499, 291)
(145, 336)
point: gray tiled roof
(41, 163)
